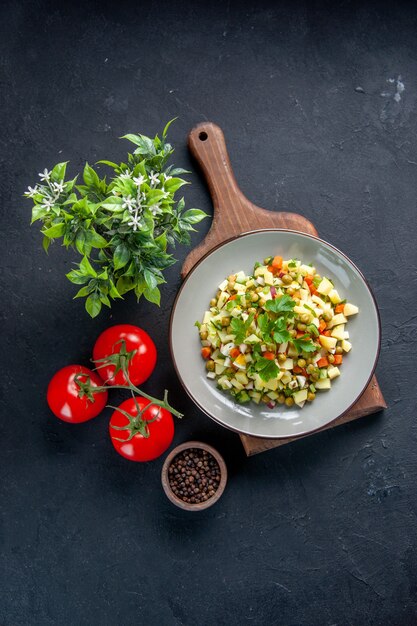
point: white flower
(155, 209)
(138, 180)
(129, 203)
(153, 179)
(45, 174)
(167, 178)
(126, 175)
(135, 222)
(31, 191)
(48, 203)
(59, 187)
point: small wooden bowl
(187, 506)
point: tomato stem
(120, 361)
(162, 403)
(136, 424)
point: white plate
(240, 254)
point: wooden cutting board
(235, 214)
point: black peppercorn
(194, 475)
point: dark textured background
(321, 532)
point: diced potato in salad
(276, 336)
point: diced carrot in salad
(205, 352)
(322, 326)
(277, 262)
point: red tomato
(110, 343)
(63, 399)
(139, 447)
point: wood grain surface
(235, 214)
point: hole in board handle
(203, 136)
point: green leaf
(112, 203)
(96, 240)
(161, 240)
(304, 344)
(280, 332)
(90, 177)
(125, 284)
(240, 328)
(165, 131)
(55, 231)
(175, 183)
(109, 163)
(58, 172)
(121, 256)
(154, 195)
(46, 242)
(153, 295)
(103, 275)
(70, 200)
(70, 184)
(104, 299)
(281, 336)
(176, 171)
(86, 268)
(93, 305)
(150, 280)
(193, 216)
(265, 326)
(77, 277)
(266, 369)
(282, 304)
(145, 144)
(37, 213)
(113, 292)
(133, 138)
(80, 241)
(84, 291)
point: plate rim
(225, 243)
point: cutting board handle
(208, 146)
(233, 212)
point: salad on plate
(276, 336)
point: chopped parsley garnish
(265, 326)
(304, 344)
(240, 328)
(266, 369)
(282, 304)
(273, 328)
(280, 332)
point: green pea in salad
(276, 336)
